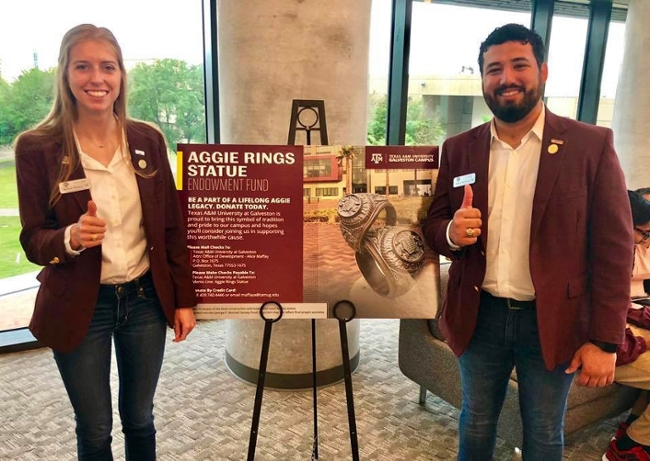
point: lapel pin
(557, 141)
(552, 149)
(142, 164)
(139, 152)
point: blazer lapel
(479, 162)
(552, 156)
(141, 160)
(81, 197)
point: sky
(444, 38)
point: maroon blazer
(69, 285)
(581, 243)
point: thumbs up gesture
(89, 231)
(466, 225)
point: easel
(318, 108)
(261, 375)
(301, 110)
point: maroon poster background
(243, 210)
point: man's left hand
(597, 366)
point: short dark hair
(513, 33)
(640, 208)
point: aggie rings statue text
(389, 256)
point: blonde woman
(99, 211)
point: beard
(511, 112)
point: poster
(308, 227)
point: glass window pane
(378, 65)
(565, 60)
(611, 70)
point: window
(565, 59)
(378, 65)
(327, 192)
(381, 190)
(611, 69)
(317, 168)
(165, 87)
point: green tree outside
(378, 111)
(5, 89)
(169, 93)
(25, 102)
(422, 128)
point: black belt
(136, 284)
(512, 304)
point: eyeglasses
(645, 234)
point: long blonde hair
(58, 124)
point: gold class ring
(469, 232)
(93, 237)
(357, 214)
(390, 259)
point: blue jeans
(131, 315)
(504, 339)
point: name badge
(460, 181)
(74, 186)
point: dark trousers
(132, 317)
(505, 339)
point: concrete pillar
(632, 104)
(271, 53)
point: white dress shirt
(114, 190)
(512, 180)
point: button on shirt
(115, 191)
(512, 180)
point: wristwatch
(605, 347)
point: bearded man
(532, 209)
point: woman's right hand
(89, 231)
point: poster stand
(261, 374)
(339, 313)
(301, 112)
(313, 119)
(347, 370)
(314, 382)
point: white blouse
(114, 190)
